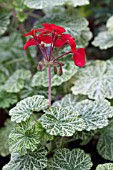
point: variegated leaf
(78, 3)
(31, 161)
(4, 21)
(109, 24)
(65, 159)
(105, 143)
(41, 78)
(60, 121)
(26, 107)
(95, 80)
(106, 166)
(16, 82)
(4, 133)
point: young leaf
(76, 159)
(16, 82)
(106, 166)
(105, 143)
(41, 78)
(4, 133)
(26, 107)
(31, 161)
(60, 121)
(96, 80)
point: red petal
(34, 31)
(53, 27)
(46, 39)
(30, 42)
(79, 57)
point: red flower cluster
(56, 37)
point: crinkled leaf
(41, 78)
(78, 3)
(60, 121)
(40, 4)
(106, 166)
(95, 113)
(65, 159)
(109, 24)
(105, 143)
(31, 161)
(96, 80)
(16, 82)
(24, 137)
(4, 22)
(103, 40)
(4, 133)
(69, 101)
(7, 99)
(26, 107)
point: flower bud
(55, 70)
(60, 71)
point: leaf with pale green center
(78, 3)
(105, 143)
(16, 82)
(4, 21)
(4, 133)
(41, 78)
(65, 159)
(95, 80)
(106, 166)
(26, 107)
(31, 161)
(103, 40)
(60, 121)
(109, 24)
(24, 137)
(95, 113)
(7, 99)
(40, 4)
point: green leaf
(26, 107)
(69, 101)
(16, 82)
(79, 3)
(106, 166)
(4, 22)
(60, 121)
(41, 78)
(103, 40)
(7, 99)
(109, 24)
(94, 113)
(85, 136)
(65, 159)
(96, 84)
(4, 73)
(4, 133)
(31, 161)
(24, 137)
(105, 143)
(40, 4)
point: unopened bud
(40, 67)
(60, 71)
(55, 70)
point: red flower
(32, 42)
(53, 28)
(33, 32)
(79, 57)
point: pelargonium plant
(57, 39)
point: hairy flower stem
(49, 85)
(62, 55)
